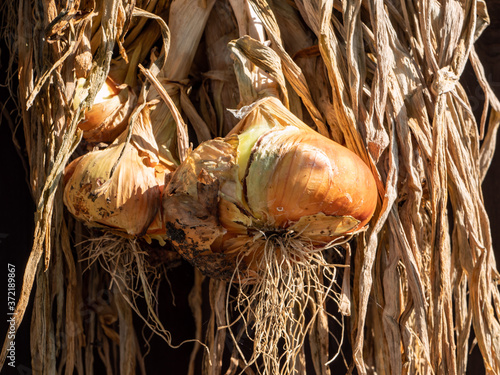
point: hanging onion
(272, 176)
(124, 196)
(109, 114)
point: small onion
(109, 114)
(127, 200)
(271, 176)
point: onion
(109, 114)
(124, 196)
(271, 177)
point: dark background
(17, 210)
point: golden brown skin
(128, 201)
(109, 114)
(318, 175)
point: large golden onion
(295, 172)
(271, 176)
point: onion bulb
(271, 177)
(109, 114)
(127, 199)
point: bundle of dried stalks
(381, 77)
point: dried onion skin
(123, 194)
(128, 201)
(108, 117)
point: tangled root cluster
(281, 304)
(135, 272)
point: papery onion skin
(127, 202)
(109, 114)
(190, 205)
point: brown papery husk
(109, 116)
(119, 187)
(219, 79)
(187, 20)
(118, 202)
